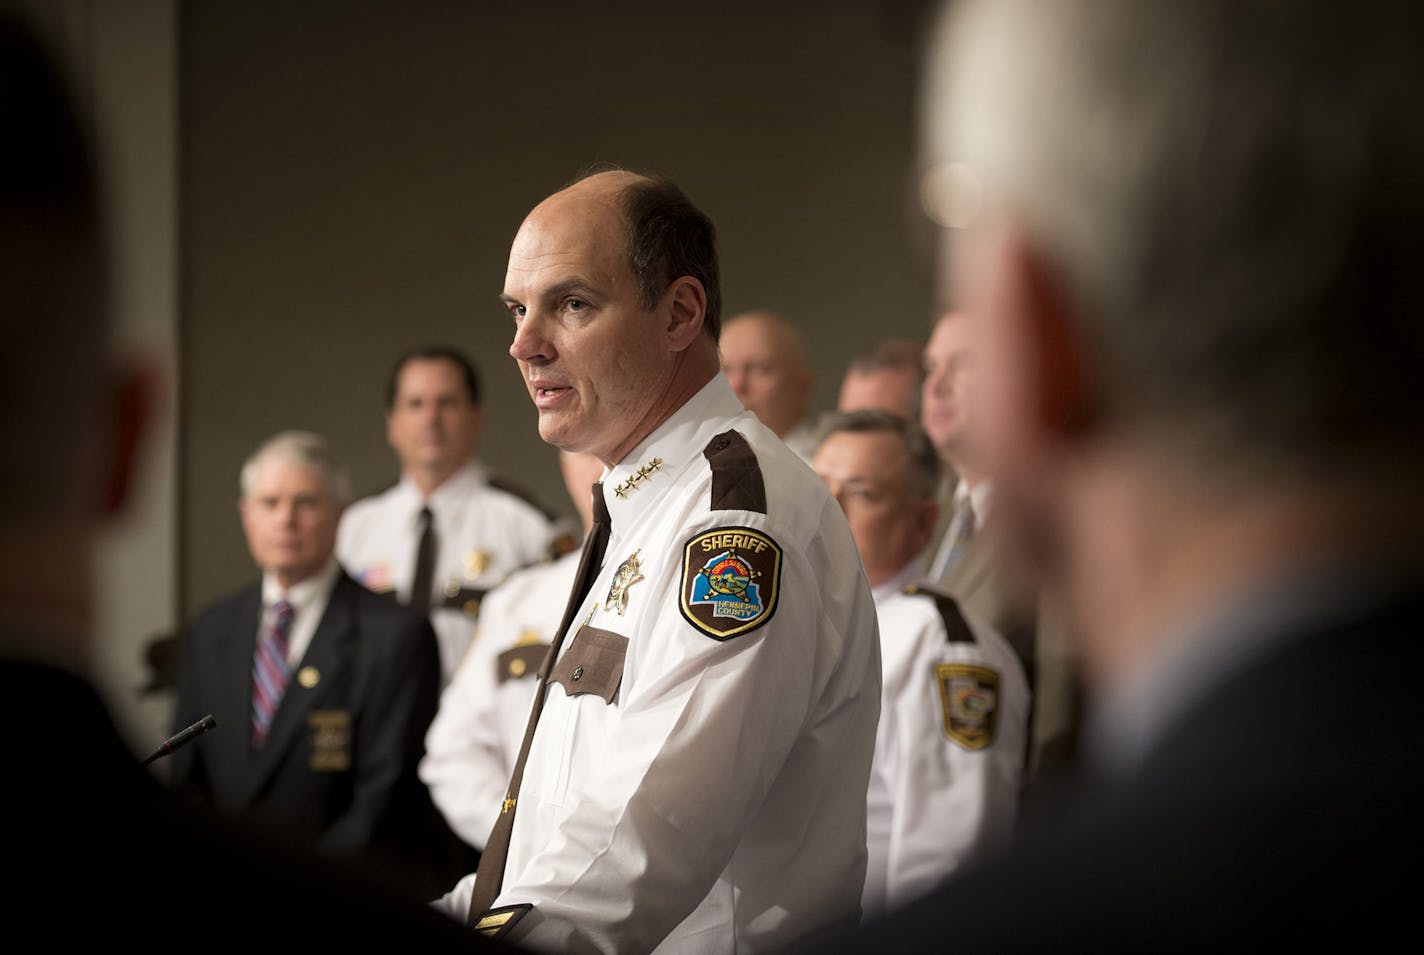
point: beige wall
(352, 175)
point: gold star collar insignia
(638, 477)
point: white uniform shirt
(482, 535)
(950, 749)
(717, 802)
(472, 744)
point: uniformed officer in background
(696, 773)
(448, 531)
(472, 744)
(954, 706)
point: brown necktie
(491, 871)
(421, 586)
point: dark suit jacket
(99, 856)
(338, 770)
(1286, 808)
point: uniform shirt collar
(650, 469)
(456, 487)
(305, 594)
(911, 572)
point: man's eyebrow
(557, 291)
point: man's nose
(530, 345)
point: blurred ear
(133, 399)
(1064, 397)
(687, 303)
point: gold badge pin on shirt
(626, 576)
(476, 562)
(308, 677)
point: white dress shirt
(934, 799)
(717, 803)
(308, 599)
(482, 535)
(964, 504)
(474, 740)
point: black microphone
(182, 738)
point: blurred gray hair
(924, 459)
(1231, 191)
(304, 449)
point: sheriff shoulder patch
(969, 696)
(730, 580)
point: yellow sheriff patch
(969, 697)
(730, 580)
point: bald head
(764, 359)
(612, 337)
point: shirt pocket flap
(520, 661)
(593, 664)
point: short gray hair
(1231, 192)
(924, 459)
(302, 448)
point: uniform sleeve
(950, 801)
(691, 753)
(465, 765)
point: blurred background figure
(322, 690)
(102, 855)
(945, 412)
(887, 377)
(475, 738)
(965, 559)
(764, 359)
(1191, 284)
(447, 532)
(949, 751)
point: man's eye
(518, 311)
(576, 304)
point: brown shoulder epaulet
(956, 628)
(737, 483)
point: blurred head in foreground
(72, 416)
(1191, 278)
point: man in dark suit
(1195, 278)
(322, 690)
(97, 853)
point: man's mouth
(547, 393)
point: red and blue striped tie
(270, 671)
